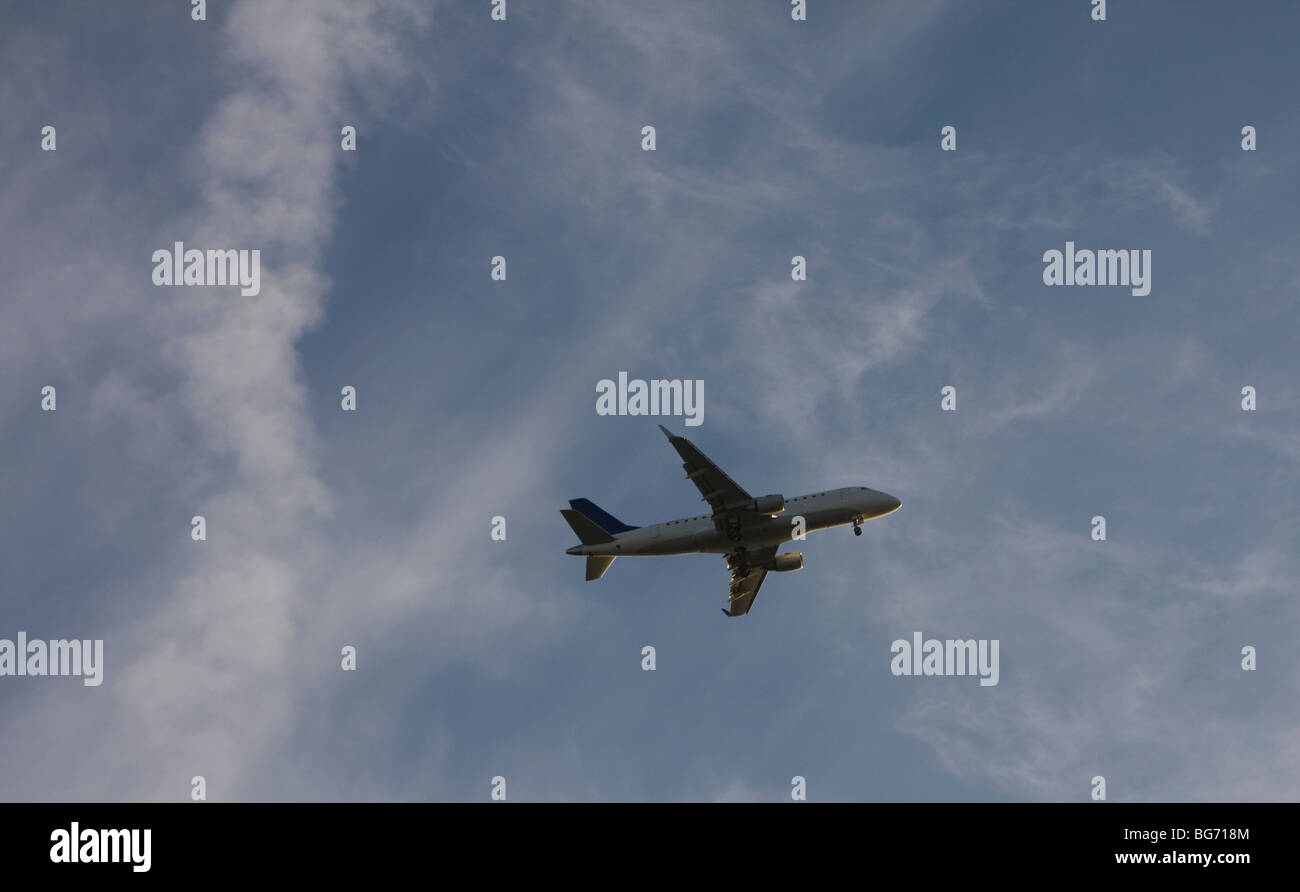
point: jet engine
(773, 504)
(785, 563)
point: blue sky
(476, 398)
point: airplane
(747, 530)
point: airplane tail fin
(597, 564)
(593, 526)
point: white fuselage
(693, 535)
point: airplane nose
(891, 503)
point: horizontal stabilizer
(600, 517)
(597, 564)
(588, 532)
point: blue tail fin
(603, 519)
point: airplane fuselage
(696, 535)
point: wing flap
(745, 586)
(744, 589)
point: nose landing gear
(857, 525)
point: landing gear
(733, 528)
(737, 562)
(857, 526)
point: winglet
(726, 612)
(667, 433)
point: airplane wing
(744, 589)
(716, 488)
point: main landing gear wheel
(733, 529)
(738, 562)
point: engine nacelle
(773, 504)
(786, 563)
